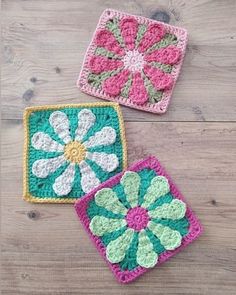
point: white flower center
(133, 61)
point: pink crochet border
(159, 107)
(195, 228)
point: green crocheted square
(70, 149)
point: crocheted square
(70, 149)
(138, 219)
(134, 61)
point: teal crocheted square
(71, 149)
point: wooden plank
(45, 42)
(46, 251)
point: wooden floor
(44, 248)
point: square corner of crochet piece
(138, 219)
(71, 149)
(134, 61)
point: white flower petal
(60, 123)
(108, 162)
(64, 183)
(42, 141)
(86, 120)
(89, 179)
(42, 168)
(106, 136)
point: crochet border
(159, 107)
(27, 196)
(195, 228)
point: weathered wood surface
(45, 250)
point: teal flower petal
(170, 239)
(174, 210)
(116, 250)
(101, 225)
(159, 187)
(131, 183)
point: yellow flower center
(75, 152)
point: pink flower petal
(106, 39)
(99, 64)
(169, 55)
(114, 84)
(129, 29)
(138, 93)
(159, 79)
(154, 34)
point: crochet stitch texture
(134, 61)
(71, 149)
(138, 219)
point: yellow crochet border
(26, 194)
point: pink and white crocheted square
(138, 219)
(134, 61)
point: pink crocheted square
(134, 61)
(138, 219)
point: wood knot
(33, 214)
(33, 79)
(161, 16)
(57, 70)
(28, 94)
(213, 202)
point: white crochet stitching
(60, 123)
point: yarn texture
(133, 60)
(138, 219)
(71, 149)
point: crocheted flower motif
(134, 61)
(75, 149)
(138, 225)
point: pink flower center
(137, 218)
(133, 61)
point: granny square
(138, 219)
(70, 149)
(134, 61)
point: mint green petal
(131, 183)
(108, 199)
(101, 225)
(159, 187)
(146, 256)
(169, 238)
(174, 210)
(116, 249)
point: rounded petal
(42, 141)
(86, 120)
(99, 64)
(113, 85)
(159, 187)
(131, 183)
(60, 123)
(89, 179)
(108, 162)
(146, 256)
(154, 34)
(108, 199)
(106, 136)
(174, 210)
(64, 183)
(44, 167)
(116, 250)
(106, 39)
(138, 93)
(169, 238)
(169, 55)
(129, 29)
(101, 225)
(159, 79)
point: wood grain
(45, 250)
